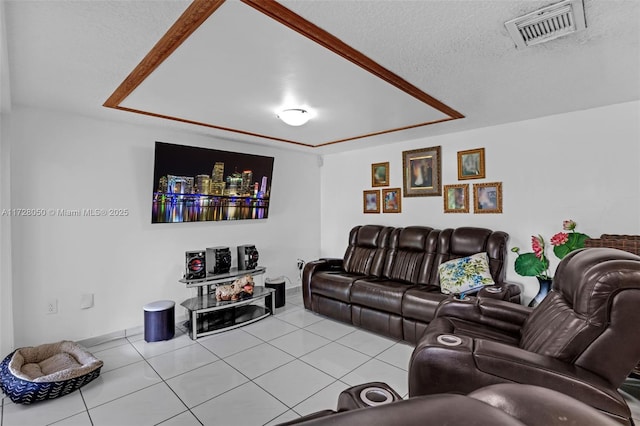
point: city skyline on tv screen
(194, 184)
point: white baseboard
(129, 332)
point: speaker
(218, 260)
(195, 265)
(247, 257)
(278, 285)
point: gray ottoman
(159, 320)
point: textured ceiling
(72, 55)
(234, 65)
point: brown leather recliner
(582, 340)
(505, 404)
(388, 281)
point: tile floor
(268, 372)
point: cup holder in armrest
(366, 395)
(449, 340)
(376, 396)
(493, 289)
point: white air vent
(547, 23)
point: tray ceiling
(70, 56)
(233, 65)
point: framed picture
(380, 174)
(471, 164)
(391, 200)
(371, 201)
(487, 197)
(421, 172)
(456, 198)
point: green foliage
(528, 265)
(576, 240)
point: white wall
(581, 166)
(6, 311)
(62, 161)
(6, 298)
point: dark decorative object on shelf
(218, 260)
(195, 267)
(247, 257)
(545, 286)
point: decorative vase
(545, 286)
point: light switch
(86, 301)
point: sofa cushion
(464, 274)
(367, 250)
(420, 303)
(335, 285)
(411, 254)
(385, 295)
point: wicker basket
(630, 243)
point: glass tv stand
(209, 316)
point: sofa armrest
(489, 312)
(324, 264)
(520, 366)
(501, 291)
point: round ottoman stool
(159, 320)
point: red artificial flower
(559, 239)
(537, 244)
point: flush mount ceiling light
(294, 116)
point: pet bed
(38, 373)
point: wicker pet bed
(38, 373)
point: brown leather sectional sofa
(581, 340)
(504, 404)
(388, 282)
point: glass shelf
(218, 321)
(208, 302)
(222, 278)
(208, 315)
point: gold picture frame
(471, 164)
(422, 171)
(456, 198)
(392, 200)
(371, 201)
(487, 197)
(380, 174)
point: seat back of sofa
(367, 250)
(411, 253)
(466, 241)
(591, 316)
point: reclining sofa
(503, 404)
(388, 280)
(581, 340)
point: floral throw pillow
(464, 274)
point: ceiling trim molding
(200, 10)
(329, 41)
(197, 12)
(382, 132)
(211, 126)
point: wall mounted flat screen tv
(193, 184)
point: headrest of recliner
(587, 278)
(368, 236)
(415, 238)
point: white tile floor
(274, 370)
(277, 369)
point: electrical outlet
(52, 306)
